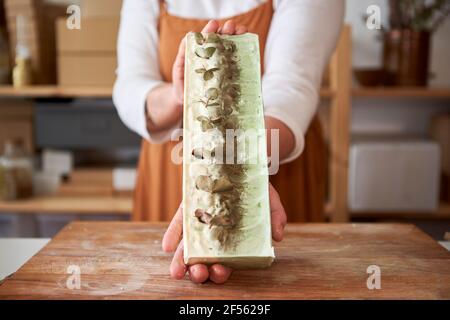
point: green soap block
(225, 189)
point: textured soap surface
(226, 205)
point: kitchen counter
(124, 260)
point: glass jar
(16, 172)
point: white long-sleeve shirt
(301, 39)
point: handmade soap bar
(225, 176)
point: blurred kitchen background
(385, 106)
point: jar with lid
(16, 172)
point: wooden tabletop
(55, 91)
(124, 260)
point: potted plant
(407, 43)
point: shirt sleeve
(138, 66)
(301, 39)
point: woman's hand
(217, 273)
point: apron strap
(162, 6)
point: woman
(297, 38)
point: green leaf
(201, 70)
(212, 93)
(205, 53)
(208, 75)
(200, 52)
(212, 38)
(209, 52)
(199, 38)
(206, 125)
(202, 118)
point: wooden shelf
(79, 205)
(401, 92)
(442, 213)
(53, 91)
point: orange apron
(158, 192)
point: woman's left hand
(217, 273)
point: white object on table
(445, 244)
(14, 252)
